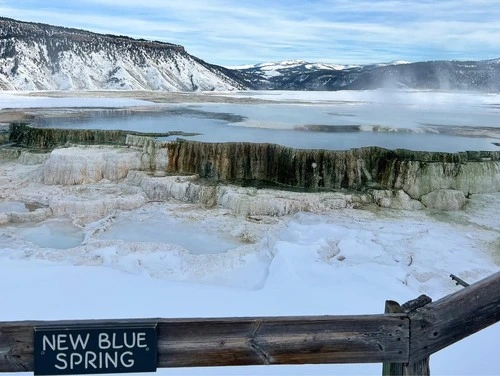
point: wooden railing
(403, 341)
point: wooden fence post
(420, 368)
(392, 369)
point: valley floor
(103, 250)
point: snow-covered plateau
(43, 57)
(85, 234)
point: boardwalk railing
(407, 338)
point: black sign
(95, 349)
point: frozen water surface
(192, 236)
(52, 233)
(337, 121)
(13, 206)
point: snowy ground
(211, 263)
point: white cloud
(230, 32)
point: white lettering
(108, 358)
(104, 342)
(46, 341)
(130, 362)
(61, 357)
(79, 341)
(141, 337)
(94, 360)
(61, 340)
(89, 361)
(115, 346)
(129, 345)
(74, 362)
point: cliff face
(417, 173)
(396, 178)
(48, 138)
(36, 56)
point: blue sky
(234, 32)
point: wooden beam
(421, 367)
(454, 317)
(244, 341)
(409, 337)
(459, 281)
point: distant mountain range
(36, 56)
(439, 75)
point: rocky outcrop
(83, 165)
(419, 178)
(416, 173)
(95, 208)
(9, 153)
(33, 216)
(154, 155)
(29, 158)
(48, 138)
(240, 200)
(399, 179)
(395, 199)
(4, 134)
(444, 199)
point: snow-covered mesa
(44, 57)
(97, 71)
(111, 241)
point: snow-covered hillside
(43, 57)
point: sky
(236, 32)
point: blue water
(192, 236)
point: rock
(252, 202)
(395, 199)
(416, 173)
(242, 201)
(34, 216)
(83, 165)
(420, 178)
(94, 208)
(30, 158)
(154, 153)
(9, 153)
(411, 173)
(444, 199)
(44, 138)
(48, 138)
(181, 188)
